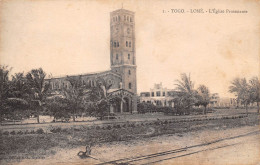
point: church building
(122, 73)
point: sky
(72, 37)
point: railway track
(176, 153)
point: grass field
(18, 145)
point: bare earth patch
(239, 150)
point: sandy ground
(235, 151)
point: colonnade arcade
(122, 101)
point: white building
(158, 96)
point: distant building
(158, 96)
(217, 101)
(161, 96)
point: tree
(74, 94)
(186, 95)
(254, 86)
(241, 89)
(39, 88)
(4, 90)
(203, 97)
(4, 82)
(99, 99)
(19, 86)
(58, 108)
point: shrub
(65, 130)
(12, 133)
(56, 130)
(75, 129)
(97, 127)
(6, 133)
(145, 107)
(40, 131)
(20, 132)
(109, 127)
(32, 132)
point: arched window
(124, 18)
(117, 44)
(131, 19)
(113, 19)
(127, 18)
(117, 56)
(129, 72)
(130, 86)
(128, 56)
(130, 44)
(118, 18)
(126, 43)
(114, 44)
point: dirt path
(243, 149)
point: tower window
(131, 19)
(117, 56)
(129, 72)
(124, 18)
(117, 44)
(114, 44)
(130, 44)
(127, 18)
(130, 86)
(128, 56)
(126, 43)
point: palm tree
(203, 97)
(241, 89)
(74, 94)
(19, 86)
(4, 90)
(4, 82)
(39, 88)
(186, 94)
(100, 98)
(255, 91)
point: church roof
(122, 10)
(100, 73)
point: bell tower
(122, 47)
